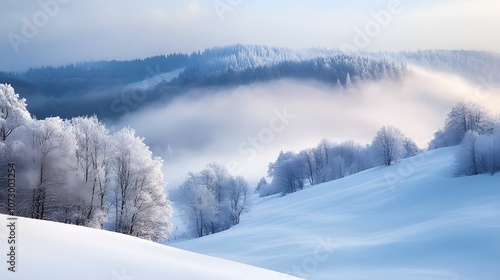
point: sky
(57, 32)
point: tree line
(75, 171)
(330, 161)
(470, 126)
(212, 200)
(339, 70)
(477, 132)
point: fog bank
(245, 128)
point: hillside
(55, 251)
(111, 89)
(413, 220)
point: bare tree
(212, 200)
(238, 192)
(388, 145)
(467, 156)
(307, 158)
(479, 154)
(141, 206)
(92, 156)
(462, 118)
(53, 160)
(288, 175)
(197, 204)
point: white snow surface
(413, 220)
(54, 251)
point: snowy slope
(409, 221)
(54, 251)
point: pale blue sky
(76, 30)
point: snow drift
(52, 251)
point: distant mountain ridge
(234, 65)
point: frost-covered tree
(13, 112)
(238, 193)
(487, 154)
(331, 161)
(14, 119)
(478, 154)
(287, 173)
(309, 163)
(261, 184)
(217, 178)
(477, 133)
(151, 209)
(73, 171)
(52, 150)
(348, 82)
(266, 189)
(92, 155)
(388, 145)
(212, 200)
(322, 160)
(352, 155)
(140, 204)
(467, 156)
(462, 118)
(197, 205)
(411, 149)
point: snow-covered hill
(53, 251)
(413, 220)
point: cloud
(241, 126)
